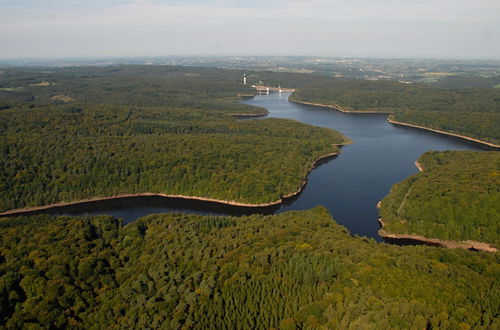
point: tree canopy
(294, 270)
(456, 197)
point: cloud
(151, 11)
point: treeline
(461, 111)
(456, 197)
(295, 270)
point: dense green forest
(140, 85)
(124, 85)
(470, 112)
(73, 133)
(473, 112)
(468, 81)
(456, 197)
(295, 270)
(140, 129)
(480, 125)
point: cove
(349, 185)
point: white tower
(244, 79)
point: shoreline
(242, 97)
(121, 196)
(304, 182)
(262, 114)
(336, 107)
(467, 245)
(489, 144)
(419, 166)
(395, 122)
(22, 211)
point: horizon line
(132, 57)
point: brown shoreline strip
(261, 114)
(145, 194)
(149, 194)
(467, 245)
(419, 166)
(489, 144)
(336, 107)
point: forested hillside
(124, 85)
(93, 132)
(456, 197)
(470, 112)
(140, 85)
(467, 81)
(295, 270)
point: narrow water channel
(349, 185)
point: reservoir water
(349, 185)
(381, 154)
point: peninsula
(451, 202)
(395, 122)
(34, 209)
(473, 114)
(181, 141)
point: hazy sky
(360, 28)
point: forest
(470, 112)
(79, 132)
(295, 270)
(139, 129)
(456, 197)
(140, 85)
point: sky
(461, 29)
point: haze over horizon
(361, 28)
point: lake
(349, 185)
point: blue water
(381, 154)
